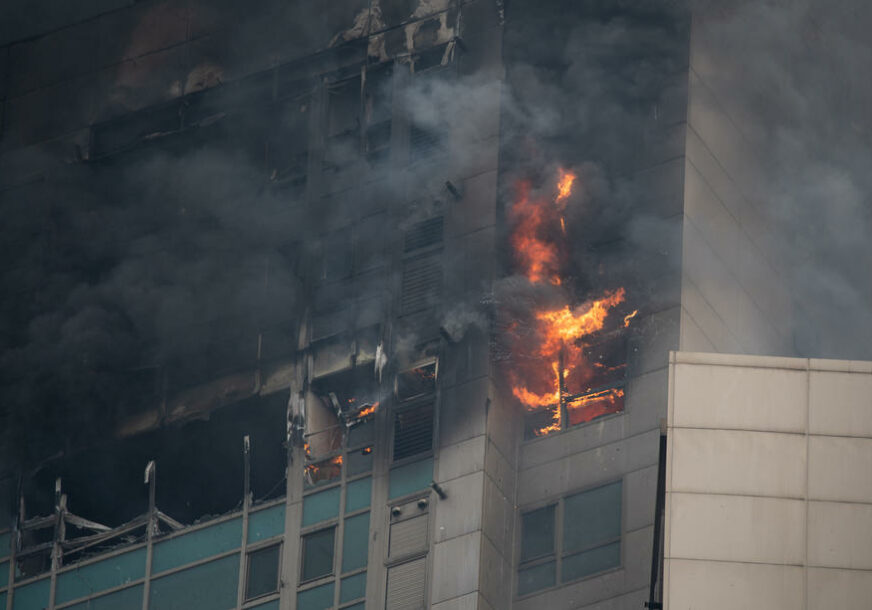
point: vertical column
(246, 508)
(59, 536)
(150, 528)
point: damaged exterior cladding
(402, 472)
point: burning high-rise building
(370, 303)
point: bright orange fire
(368, 410)
(551, 368)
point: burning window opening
(568, 361)
(420, 380)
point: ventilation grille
(409, 536)
(423, 234)
(422, 284)
(406, 585)
(423, 143)
(413, 431)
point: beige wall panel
(840, 535)
(840, 403)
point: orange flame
(629, 317)
(559, 333)
(368, 410)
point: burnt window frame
(449, 71)
(253, 550)
(559, 554)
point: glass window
(263, 572)
(592, 561)
(537, 577)
(592, 517)
(318, 554)
(537, 533)
(353, 587)
(359, 460)
(316, 598)
(355, 544)
(321, 506)
(410, 478)
(358, 494)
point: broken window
(317, 555)
(262, 575)
(342, 143)
(589, 523)
(288, 144)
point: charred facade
(361, 305)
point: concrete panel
(717, 226)
(455, 567)
(585, 469)
(839, 469)
(499, 518)
(842, 589)
(716, 336)
(840, 535)
(657, 335)
(717, 585)
(496, 571)
(460, 512)
(500, 470)
(640, 488)
(840, 403)
(739, 398)
(736, 528)
(461, 459)
(754, 331)
(581, 438)
(645, 401)
(477, 209)
(661, 188)
(462, 412)
(61, 55)
(464, 602)
(734, 462)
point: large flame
(550, 367)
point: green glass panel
(32, 597)
(317, 598)
(263, 572)
(361, 434)
(318, 550)
(355, 542)
(353, 587)
(96, 577)
(266, 523)
(126, 599)
(5, 545)
(3, 600)
(411, 478)
(273, 605)
(359, 461)
(196, 545)
(591, 562)
(4, 576)
(592, 517)
(358, 494)
(536, 578)
(359, 606)
(210, 586)
(321, 506)
(537, 533)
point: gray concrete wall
(732, 296)
(768, 501)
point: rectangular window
(318, 554)
(262, 576)
(589, 523)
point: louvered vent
(422, 234)
(409, 536)
(406, 585)
(413, 431)
(422, 284)
(423, 143)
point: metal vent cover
(406, 585)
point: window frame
(559, 554)
(323, 578)
(252, 550)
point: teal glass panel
(317, 598)
(359, 606)
(33, 596)
(592, 517)
(358, 494)
(4, 576)
(126, 599)
(5, 545)
(273, 605)
(355, 542)
(196, 545)
(536, 578)
(411, 478)
(266, 523)
(591, 562)
(210, 586)
(353, 587)
(321, 506)
(3, 600)
(359, 461)
(96, 577)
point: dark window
(537, 533)
(413, 431)
(418, 381)
(318, 554)
(263, 572)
